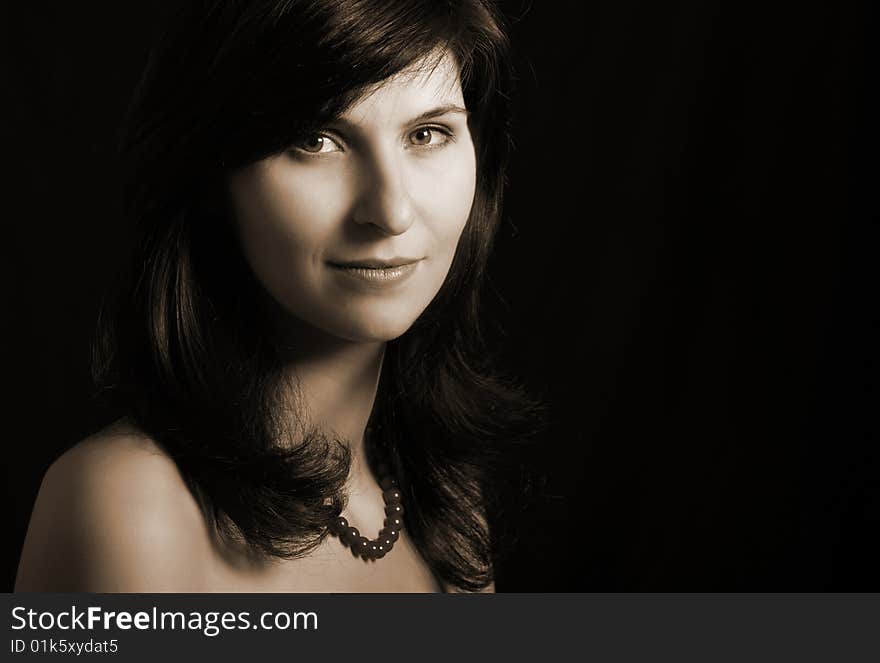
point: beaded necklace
(377, 548)
(361, 546)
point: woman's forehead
(427, 85)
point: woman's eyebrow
(437, 111)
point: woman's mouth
(377, 272)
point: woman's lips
(374, 273)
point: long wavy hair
(183, 348)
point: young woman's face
(353, 230)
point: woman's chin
(373, 328)
(377, 331)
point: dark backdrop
(685, 277)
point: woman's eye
(429, 137)
(318, 144)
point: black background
(686, 277)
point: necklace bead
(392, 496)
(361, 545)
(394, 509)
(349, 535)
(393, 522)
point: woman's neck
(336, 382)
(338, 389)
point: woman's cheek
(308, 204)
(453, 185)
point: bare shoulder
(113, 515)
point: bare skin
(114, 515)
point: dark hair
(236, 81)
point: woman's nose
(385, 199)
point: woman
(295, 352)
